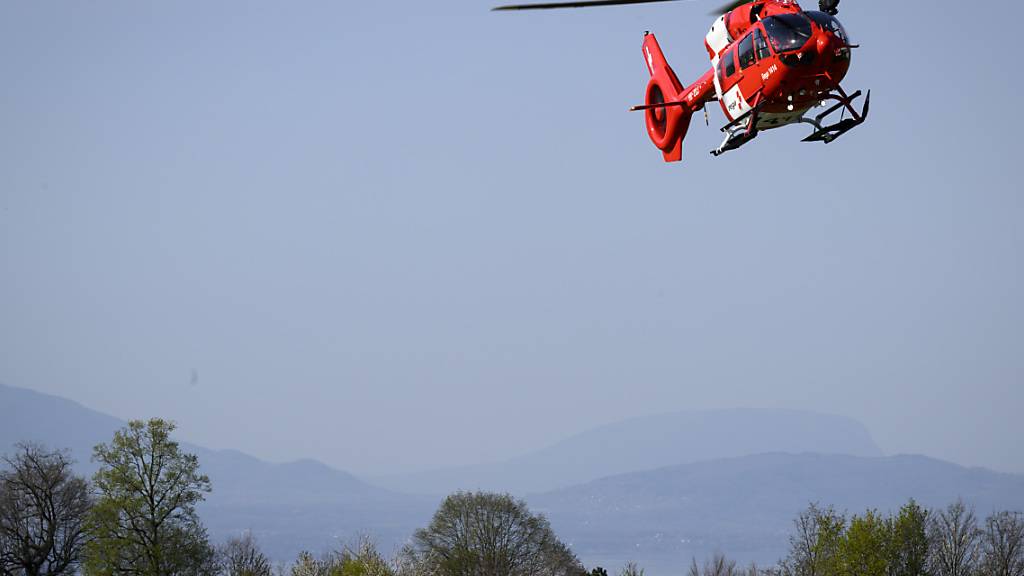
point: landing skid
(831, 132)
(739, 132)
(744, 129)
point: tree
(241, 556)
(363, 559)
(144, 522)
(1003, 545)
(307, 565)
(631, 569)
(908, 552)
(864, 549)
(953, 541)
(481, 534)
(814, 547)
(719, 565)
(43, 507)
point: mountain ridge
(647, 442)
(745, 506)
(660, 516)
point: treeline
(913, 542)
(137, 517)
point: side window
(747, 52)
(761, 45)
(728, 65)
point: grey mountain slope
(745, 506)
(60, 423)
(650, 442)
(290, 507)
(54, 422)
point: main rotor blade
(730, 7)
(578, 4)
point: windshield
(788, 32)
(830, 23)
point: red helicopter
(771, 63)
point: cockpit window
(761, 44)
(746, 52)
(728, 64)
(830, 23)
(788, 32)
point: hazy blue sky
(409, 234)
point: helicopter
(772, 62)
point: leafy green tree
(307, 565)
(144, 522)
(43, 507)
(363, 559)
(864, 549)
(908, 550)
(815, 544)
(475, 534)
(598, 571)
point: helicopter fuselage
(771, 62)
(776, 55)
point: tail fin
(666, 125)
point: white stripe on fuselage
(735, 104)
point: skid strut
(829, 133)
(740, 131)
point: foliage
(144, 522)
(864, 550)
(908, 551)
(815, 545)
(719, 565)
(43, 507)
(363, 559)
(482, 534)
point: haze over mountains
(745, 506)
(650, 442)
(657, 490)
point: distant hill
(660, 517)
(745, 506)
(289, 507)
(54, 422)
(650, 442)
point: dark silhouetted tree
(953, 541)
(481, 534)
(241, 556)
(43, 507)
(1002, 545)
